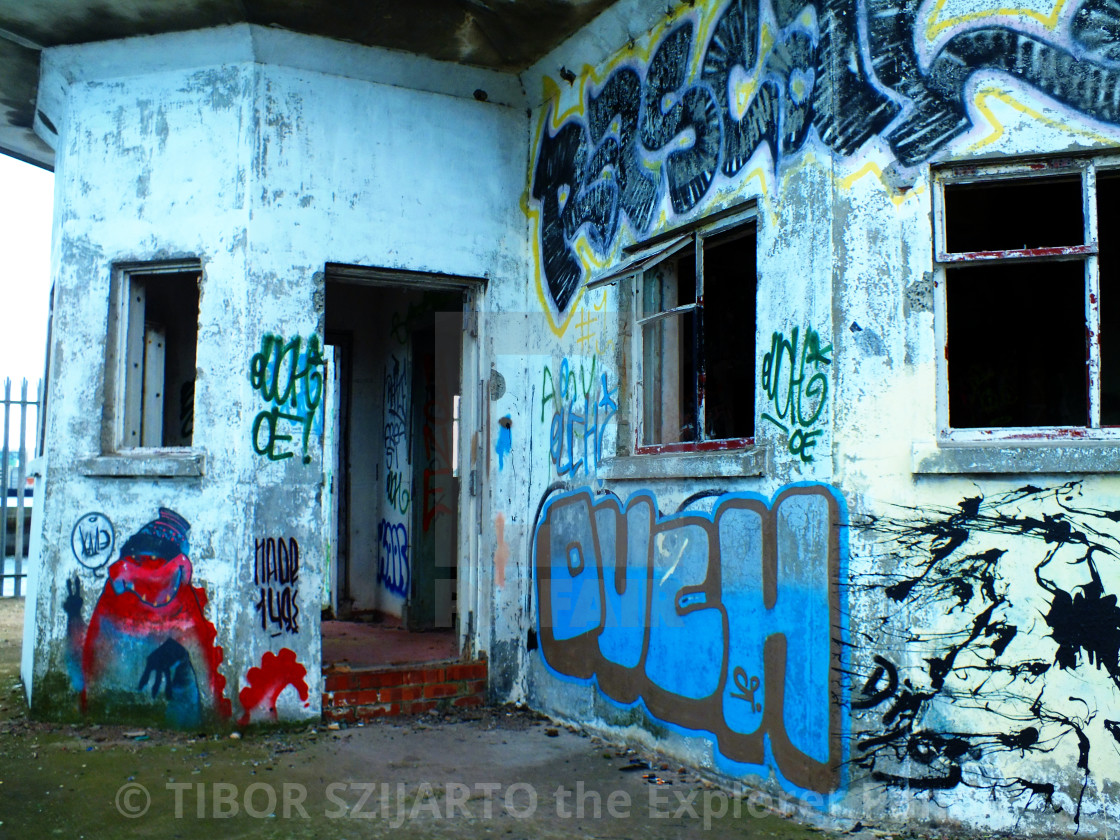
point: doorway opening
(391, 596)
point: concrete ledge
(730, 464)
(147, 463)
(993, 458)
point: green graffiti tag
(797, 388)
(290, 379)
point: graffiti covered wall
(672, 123)
(725, 622)
(278, 194)
(823, 617)
(997, 645)
(976, 644)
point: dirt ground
(500, 772)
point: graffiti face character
(148, 631)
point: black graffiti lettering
(1084, 86)
(94, 541)
(848, 71)
(557, 177)
(278, 608)
(668, 114)
(613, 124)
(934, 118)
(847, 110)
(276, 561)
(276, 574)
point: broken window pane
(698, 362)
(729, 340)
(1016, 345)
(1014, 214)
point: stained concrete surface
(499, 772)
(367, 644)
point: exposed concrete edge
(987, 458)
(245, 43)
(346, 668)
(751, 462)
(150, 463)
(384, 66)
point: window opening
(1108, 264)
(160, 353)
(1031, 296)
(697, 343)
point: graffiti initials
(796, 387)
(288, 379)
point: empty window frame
(159, 337)
(696, 329)
(1030, 299)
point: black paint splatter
(944, 563)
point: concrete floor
(480, 773)
(364, 644)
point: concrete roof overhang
(502, 35)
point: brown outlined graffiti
(729, 622)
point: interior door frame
(472, 603)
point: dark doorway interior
(392, 458)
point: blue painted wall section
(728, 622)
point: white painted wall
(266, 155)
(199, 146)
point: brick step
(352, 694)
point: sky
(25, 242)
(25, 280)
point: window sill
(147, 463)
(751, 462)
(1044, 456)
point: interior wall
(381, 441)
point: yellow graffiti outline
(872, 168)
(552, 118)
(643, 50)
(982, 98)
(935, 25)
(553, 93)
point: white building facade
(737, 380)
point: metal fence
(17, 490)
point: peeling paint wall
(972, 643)
(851, 608)
(217, 147)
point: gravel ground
(498, 772)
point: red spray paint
(276, 672)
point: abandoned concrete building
(703, 371)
